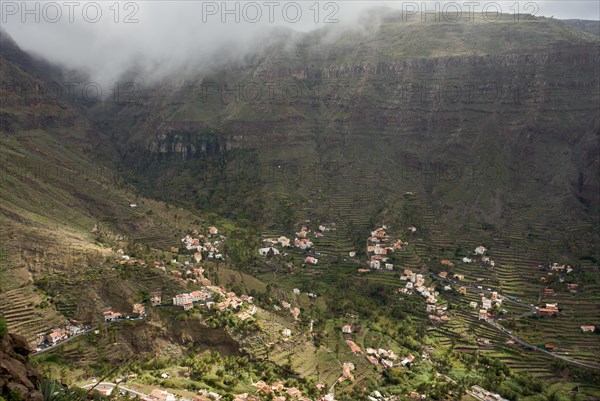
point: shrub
(3, 327)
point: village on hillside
(187, 268)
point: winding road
(516, 339)
(109, 385)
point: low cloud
(158, 38)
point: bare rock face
(17, 374)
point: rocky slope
(18, 376)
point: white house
(486, 303)
(480, 250)
(588, 329)
(181, 299)
(110, 316)
(161, 395)
(284, 241)
(265, 251)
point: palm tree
(53, 391)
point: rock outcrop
(18, 376)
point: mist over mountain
(170, 37)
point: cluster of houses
(484, 395)
(270, 249)
(138, 312)
(310, 294)
(377, 396)
(458, 277)
(294, 311)
(413, 280)
(437, 313)
(128, 260)
(162, 395)
(555, 267)
(199, 247)
(185, 272)
(387, 358)
(277, 391)
(379, 245)
(302, 241)
(487, 304)
(479, 252)
(159, 395)
(303, 244)
(318, 233)
(383, 357)
(561, 271)
(188, 299)
(208, 295)
(60, 334)
(416, 282)
(205, 246)
(188, 271)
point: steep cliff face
(512, 122)
(19, 378)
(190, 144)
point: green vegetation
(3, 327)
(515, 174)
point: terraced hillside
(64, 206)
(474, 133)
(24, 314)
(387, 125)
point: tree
(3, 327)
(558, 365)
